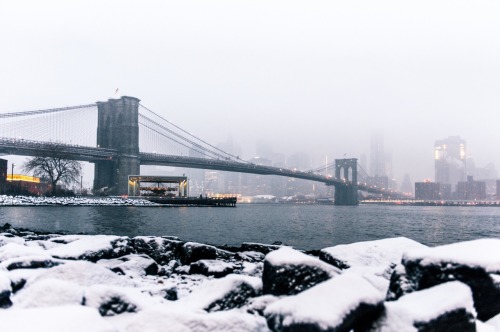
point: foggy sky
(302, 76)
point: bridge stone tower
(118, 128)
(346, 193)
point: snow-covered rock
(113, 300)
(16, 250)
(131, 265)
(90, 247)
(288, 271)
(226, 293)
(250, 256)
(161, 249)
(192, 252)
(259, 247)
(84, 274)
(446, 307)
(211, 267)
(475, 263)
(50, 319)
(342, 303)
(384, 253)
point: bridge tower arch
(118, 128)
(346, 193)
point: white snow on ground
(84, 245)
(14, 250)
(4, 281)
(5, 239)
(327, 303)
(180, 320)
(483, 327)
(215, 266)
(78, 201)
(495, 322)
(50, 319)
(215, 289)
(373, 253)
(425, 305)
(49, 292)
(484, 253)
(290, 256)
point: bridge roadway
(10, 146)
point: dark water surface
(302, 226)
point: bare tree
(54, 166)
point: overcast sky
(304, 76)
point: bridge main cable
(51, 110)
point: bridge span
(117, 155)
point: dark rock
(170, 294)
(470, 262)
(5, 301)
(329, 306)
(260, 247)
(192, 252)
(288, 271)
(446, 307)
(161, 249)
(209, 267)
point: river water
(302, 226)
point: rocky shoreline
(61, 282)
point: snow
(84, 245)
(215, 266)
(289, 256)
(49, 292)
(5, 284)
(495, 322)
(426, 305)
(84, 274)
(327, 303)
(483, 253)
(372, 253)
(54, 319)
(169, 320)
(132, 265)
(15, 250)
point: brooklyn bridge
(120, 135)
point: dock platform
(193, 201)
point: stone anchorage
(146, 283)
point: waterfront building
(450, 160)
(428, 191)
(471, 190)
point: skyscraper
(450, 160)
(377, 156)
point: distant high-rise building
(471, 190)
(450, 160)
(377, 156)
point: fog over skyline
(317, 77)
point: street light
(12, 172)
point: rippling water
(302, 226)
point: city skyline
(414, 71)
